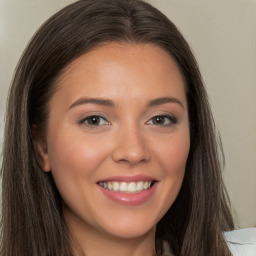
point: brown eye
(163, 120)
(159, 120)
(94, 121)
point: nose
(131, 147)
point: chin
(128, 228)
(132, 232)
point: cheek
(173, 154)
(74, 158)
(172, 159)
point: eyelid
(172, 119)
(86, 118)
(83, 120)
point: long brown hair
(32, 220)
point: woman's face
(118, 139)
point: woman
(110, 145)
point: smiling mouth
(127, 187)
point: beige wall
(222, 34)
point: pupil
(94, 120)
(159, 120)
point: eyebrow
(110, 103)
(160, 101)
(97, 101)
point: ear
(41, 148)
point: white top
(242, 242)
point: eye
(94, 121)
(163, 120)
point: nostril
(131, 146)
(127, 155)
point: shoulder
(242, 242)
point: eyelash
(90, 118)
(171, 120)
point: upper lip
(129, 178)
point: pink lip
(131, 199)
(129, 178)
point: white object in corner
(242, 242)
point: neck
(98, 246)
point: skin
(126, 142)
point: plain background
(222, 34)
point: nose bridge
(131, 145)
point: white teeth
(115, 186)
(126, 187)
(145, 186)
(140, 186)
(109, 185)
(131, 187)
(123, 187)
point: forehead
(111, 69)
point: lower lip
(129, 198)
